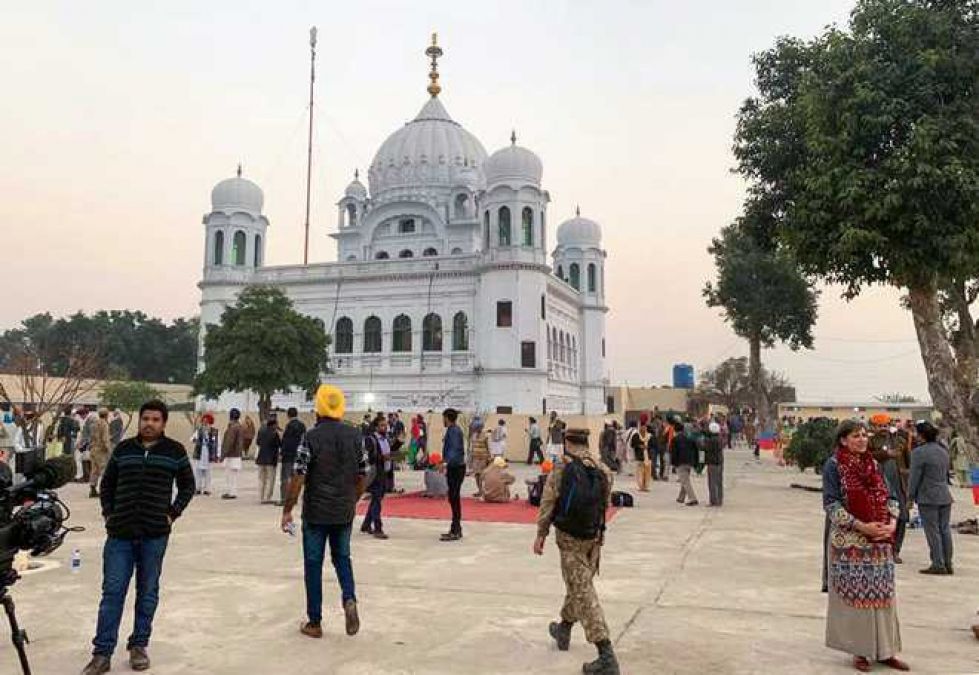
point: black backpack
(580, 511)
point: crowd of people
(876, 475)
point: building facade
(444, 291)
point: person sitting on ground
(496, 482)
(436, 484)
(480, 460)
(535, 486)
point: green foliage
(262, 345)
(867, 142)
(812, 444)
(729, 384)
(759, 288)
(130, 345)
(128, 396)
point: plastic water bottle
(76, 561)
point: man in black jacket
(292, 435)
(139, 510)
(330, 467)
(686, 458)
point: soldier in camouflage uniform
(579, 561)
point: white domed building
(443, 292)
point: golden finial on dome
(434, 52)
(239, 169)
(577, 211)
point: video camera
(32, 516)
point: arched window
(381, 255)
(258, 250)
(527, 226)
(560, 271)
(372, 335)
(406, 254)
(351, 215)
(462, 205)
(575, 276)
(486, 228)
(457, 251)
(238, 248)
(564, 349)
(550, 346)
(460, 332)
(504, 226)
(343, 336)
(432, 333)
(219, 248)
(401, 339)
(592, 278)
(429, 252)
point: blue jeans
(314, 552)
(119, 558)
(373, 517)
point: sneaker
(98, 665)
(310, 629)
(139, 659)
(451, 536)
(350, 614)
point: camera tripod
(17, 634)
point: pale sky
(119, 117)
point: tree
(866, 141)
(128, 397)
(762, 294)
(812, 444)
(262, 344)
(729, 384)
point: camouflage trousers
(579, 563)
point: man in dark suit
(928, 488)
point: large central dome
(430, 151)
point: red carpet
(413, 505)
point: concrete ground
(685, 590)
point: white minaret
(579, 259)
(510, 325)
(234, 246)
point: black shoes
(379, 534)
(139, 659)
(605, 664)
(561, 632)
(933, 570)
(98, 665)
(351, 616)
(451, 536)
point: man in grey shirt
(928, 488)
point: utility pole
(309, 146)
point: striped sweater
(137, 488)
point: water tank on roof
(683, 376)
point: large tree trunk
(950, 397)
(264, 407)
(758, 396)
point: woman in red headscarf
(862, 615)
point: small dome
(579, 231)
(356, 189)
(237, 193)
(513, 163)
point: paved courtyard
(685, 590)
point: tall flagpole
(309, 147)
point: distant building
(856, 410)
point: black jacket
(713, 453)
(335, 465)
(268, 447)
(292, 435)
(137, 488)
(686, 450)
